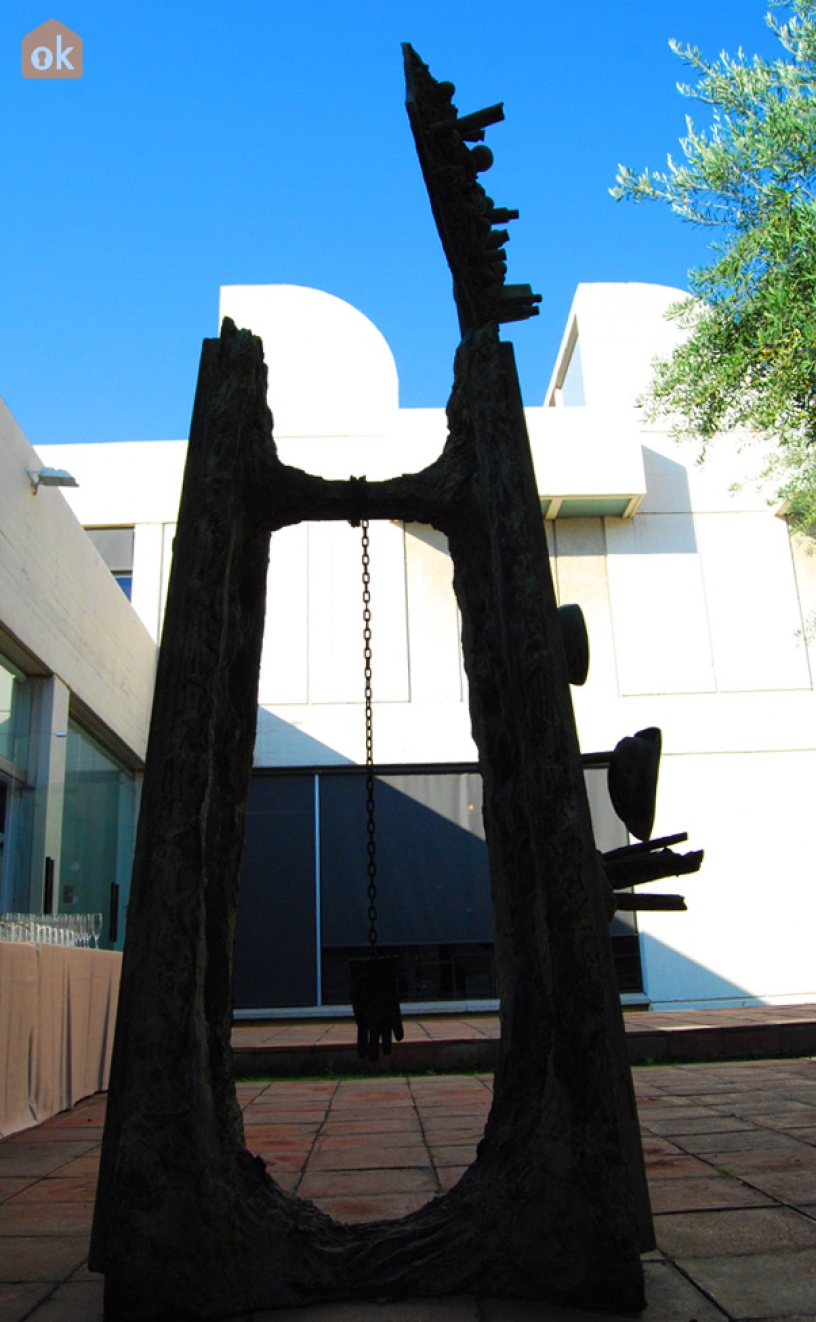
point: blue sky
(251, 141)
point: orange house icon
(52, 51)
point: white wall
(695, 612)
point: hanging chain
(369, 747)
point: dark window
(115, 545)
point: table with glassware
(58, 995)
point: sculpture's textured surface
(188, 1224)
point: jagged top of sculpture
(464, 214)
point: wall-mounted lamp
(50, 477)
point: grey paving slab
(734, 1231)
(76, 1301)
(712, 1146)
(41, 1259)
(776, 1284)
(676, 1126)
(18, 1159)
(704, 1195)
(787, 1186)
(18, 1300)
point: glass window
(97, 835)
(15, 713)
(115, 545)
(16, 800)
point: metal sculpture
(188, 1224)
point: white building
(76, 677)
(694, 598)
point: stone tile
(708, 1124)
(744, 1231)
(17, 1301)
(11, 1185)
(460, 1154)
(342, 1184)
(670, 1111)
(46, 1218)
(81, 1167)
(703, 1195)
(247, 1092)
(92, 1109)
(287, 1180)
(398, 1140)
(395, 1108)
(372, 1207)
(374, 1124)
(371, 1091)
(76, 1301)
(41, 1259)
(275, 1103)
(741, 1140)
(83, 1273)
(305, 1116)
(802, 1135)
(455, 1103)
(365, 1158)
(35, 1159)
(285, 1137)
(280, 1162)
(794, 1157)
(311, 1090)
(451, 1135)
(49, 1133)
(787, 1121)
(776, 1285)
(653, 1145)
(450, 1175)
(668, 1166)
(788, 1186)
(455, 1139)
(772, 1103)
(444, 1122)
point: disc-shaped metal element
(632, 779)
(576, 642)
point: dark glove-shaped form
(375, 1002)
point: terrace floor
(730, 1151)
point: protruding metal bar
(468, 125)
(632, 903)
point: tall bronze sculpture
(188, 1224)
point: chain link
(371, 845)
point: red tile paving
(730, 1152)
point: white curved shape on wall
(331, 372)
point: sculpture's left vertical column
(173, 1136)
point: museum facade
(696, 600)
